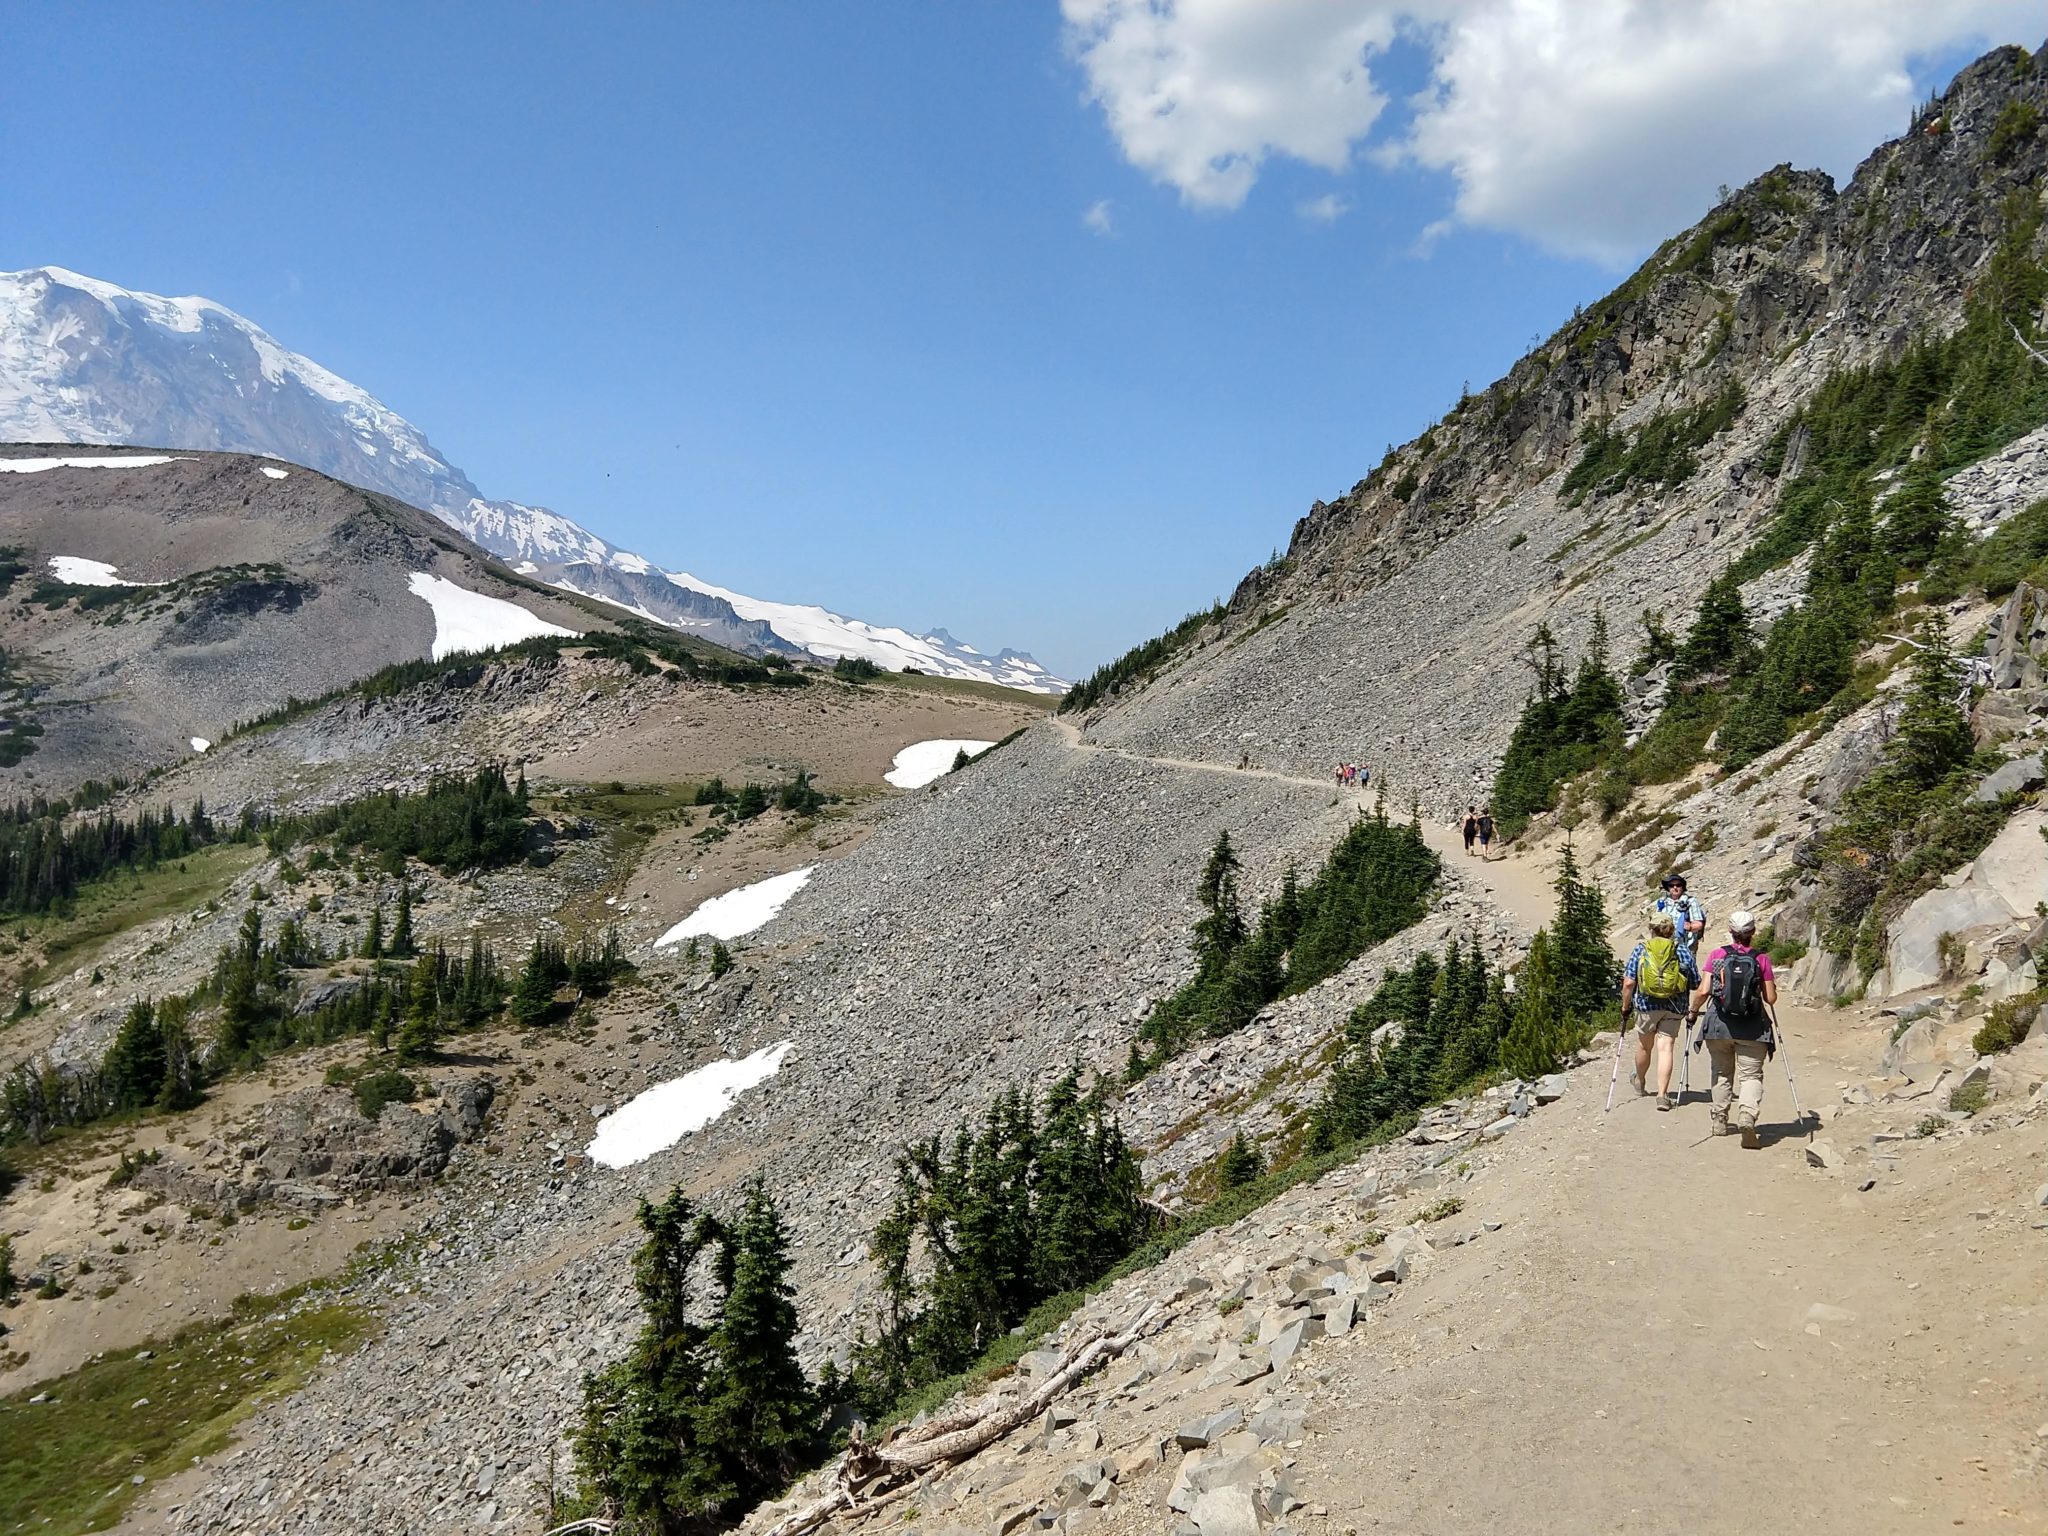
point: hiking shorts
(1658, 1021)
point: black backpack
(1738, 987)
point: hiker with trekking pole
(1654, 982)
(1735, 995)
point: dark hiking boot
(1750, 1140)
(1663, 1101)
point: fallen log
(879, 1469)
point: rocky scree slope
(1392, 630)
(1024, 912)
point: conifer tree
(240, 1005)
(136, 1063)
(757, 1413)
(721, 958)
(402, 946)
(1588, 979)
(1137, 1064)
(373, 934)
(1221, 930)
(1241, 1163)
(1917, 519)
(638, 1441)
(1536, 1036)
(1932, 737)
(421, 1030)
(180, 1087)
(1719, 641)
(533, 996)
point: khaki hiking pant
(1738, 1073)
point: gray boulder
(1915, 950)
(2018, 776)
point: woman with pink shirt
(1737, 990)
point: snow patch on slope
(739, 911)
(471, 621)
(923, 761)
(76, 571)
(663, 1115)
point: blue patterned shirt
(1681, 910)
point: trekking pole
(1614, 1077)
(1685, 1062)
(1778, 1038)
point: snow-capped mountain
(84, 361)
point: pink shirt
(1763, 961)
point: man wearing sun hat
(1738, 983)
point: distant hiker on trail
(1471, 828)
(1737, 989)
(1685, 912)
(1485, 832)
(1658, 975)
(1343, 774)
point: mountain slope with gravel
(1521, 1310)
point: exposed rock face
(1787, 260)
(2018, 650)
(315, 1147)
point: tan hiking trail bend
(1671, 1334)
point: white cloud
(1200, 92)
(1327, 209)
(1597, 127)
(1593, 127)
(1099, 219)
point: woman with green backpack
(1654, 985)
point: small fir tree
(1536, 1036)
(1241, 1163)
(421, 1031)
(402, 945)
(757, 1414)
(135, 1064)
(1933, 737)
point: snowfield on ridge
(470, 621)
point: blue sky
(807, 298)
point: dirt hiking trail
(1673, 1334)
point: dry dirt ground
(1672, 1334)
(846, 737)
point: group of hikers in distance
(1353, 776)
(1733, 993)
